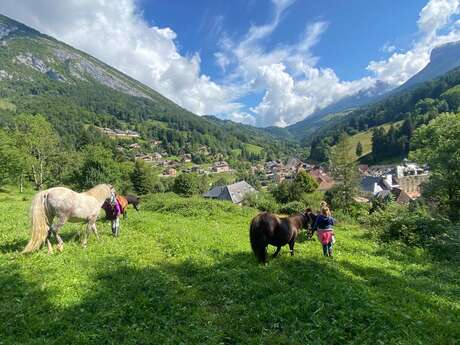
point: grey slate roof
(233, 192)
(367, 183)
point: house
(170, 172)
(134, 146)
(220, 167)
(235, 193)
(203, 150)
(410, 177)
(145, 158)
(383, 188)
(157, 156)
(119, 133)
(371, 185)
(397, 194)
(293, 164)
(380, 170)
(363, 169)
(325, 181)
(186, 158)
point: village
(401, 182)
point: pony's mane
(99, 191)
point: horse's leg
(84, 241)
(48, 241)
(291, 246)
(93, 227)
(275, 254)
(57, 228)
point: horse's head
(308, 218)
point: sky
(260, 62)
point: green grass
(253, 148)
(189, 277)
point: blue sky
(262, 62)
(356, 32)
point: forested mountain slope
(443, 59)
(415, 106)
(39, 74)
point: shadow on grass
(235, 301)
(13, 246)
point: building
(293, 164)
(397, 194)
(134, 146)
(186, 158)
(410, 177)
(235, 193)
(220, 167)
(325, 181)
(119, 133)
(170, 172)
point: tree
(305, 183)
(288, 191)
(345, 172)
(143, 178)
(12, 161)
(38, 140)
(438, 145)
(359, 149)
(97, 167)
(187, 184)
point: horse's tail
(258, 236)
(40, 223)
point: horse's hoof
(60, 248)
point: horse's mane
(99, 191)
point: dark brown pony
(267, 228)
(124, 201)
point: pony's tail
(40, 223)
(258, 239)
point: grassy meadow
(182, 273)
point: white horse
(65, 205)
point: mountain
(313, 122)
(442, 59)
(39, 74)
(394, 118)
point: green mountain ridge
(39, 74)
(443, 59)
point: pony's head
(308, 218)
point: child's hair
(325, 211)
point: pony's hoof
(60, 248)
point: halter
(113, 198)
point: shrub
(189, 184)
(312, 200)
(413, 226)
(195, 206)
(262, 201)
(292, 207)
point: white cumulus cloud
(434, 18)
(116, 33)
(288, 76)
